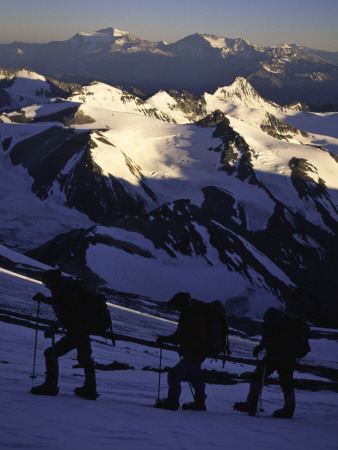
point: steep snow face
(272, 158)
(215, 41)
(198, 45)
(239, 100)
(161, 276)
(105, 97)
(181, 106)
(27, 88)
(164, 102)
(241, 92)
(173, 159)
(25, 220)
(201, 45)
(242, 102)
(110, 40)
(102, 34)
(91, 41)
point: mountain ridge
(283, 74)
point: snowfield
(123, 416)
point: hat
(274, 318)
(51, 276)
(179, 299)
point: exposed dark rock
(6, 143)
(279, 129)
(113, 366)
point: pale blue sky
(312, 23)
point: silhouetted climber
(69, 310)
(278, 340)
(190, 335)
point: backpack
(96, 314)
(300, 331)
(217, 345)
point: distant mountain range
(225, 195)
(197, 63)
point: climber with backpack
(195, 345)
(69, 305)
(285, 339)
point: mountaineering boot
(250, 406)
(193, 406)
(283, 413)
(245, 407)
(50, 386)
(198, 404)
(288, 409)
(45, 389)
(86, 392)
(241, 406)
(166, 403)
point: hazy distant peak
(114, 31)
(102, 33)
(209, 45)
(93, 38)
(101, 40)
(215, 41)
(285, 45)
(221, 42)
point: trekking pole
(260, 400)
(33, 376)
(53, 348)
(159, 375)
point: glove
(50, 331)
(160, 340)
(39, 297)
(256, 351)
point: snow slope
(106, 97)
(27, 88)
(26, 220)
(123, 416)
(175, 161)
(161, 277)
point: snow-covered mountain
(201, 45)
(110, 40)
(225, 195)
(20, 88)
(196, 63)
